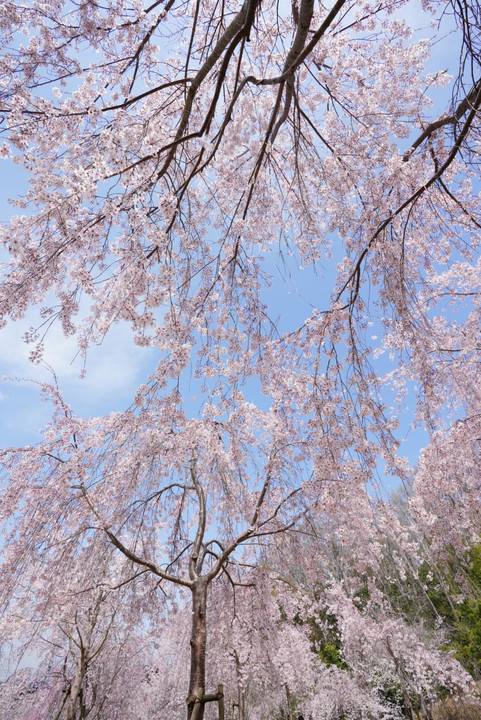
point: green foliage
(326, 641)
(330, 654)
(466, 639)
(440, 593)
(362, 596)
(467, 636)
(394, 696)
(463, 616)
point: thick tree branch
(463, 107)
(355, 276)
(125, 550)
(194, 570)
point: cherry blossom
(186, 162)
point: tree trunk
(75, 690)
(425, 708)
(198, 640)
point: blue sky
(114, 369)
(117, 367)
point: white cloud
(113, 371)
(113, 364)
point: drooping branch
(130, 554)
(353, 281)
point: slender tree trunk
(75, 690)
(198, 641)
(425, 708)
